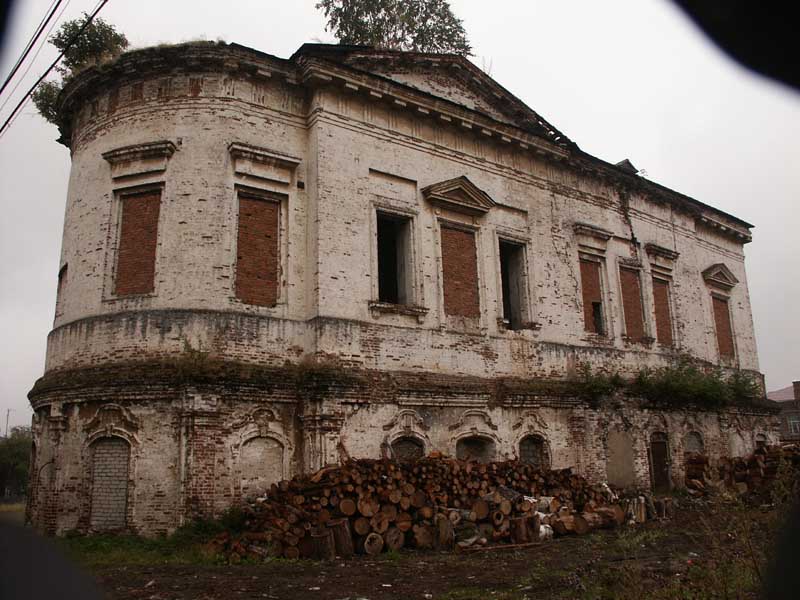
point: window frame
(608, 332)
(525, 308)
(282, 200)
(114, 239)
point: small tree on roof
(417, 25)
(98, 43)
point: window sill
(645, 341)
(596, 338)
(379, 308)
(504, 325)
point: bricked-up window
(257, 250)
(632, 304)
(394, 259)
(512, 274)
(663, 313)
(110, 458)
(592, 297)
(722, 321)
(460, 272)
(138, 238)
(407, 449)
(533, 450)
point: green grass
(187, 546)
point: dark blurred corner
(33, 568)
(762, 36)
(5, 12)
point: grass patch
(10, 508)
(629, 541)
(187, 546)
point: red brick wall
(722, 321)
(460, 273)
(136, 259)
(257, 264)
(591, 290)
(663, 315)
(632, 304)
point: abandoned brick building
(269, 264)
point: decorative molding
(377, 308)
(593, 231)
(654, 250)
(529, 418)
(262, 163)
(474, 413)
(726, 230)
(720, 276)
(139, 159)
(459, 195)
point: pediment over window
(720, 276)
(139, 159)
(460, 195)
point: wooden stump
(445, 536)
(323, 544)
(347, 507)
(342, 538)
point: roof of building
(451, 84)
(782, 395)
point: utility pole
(8, 412)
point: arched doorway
(533, 450)
(261, 464)
(407, 449)
(478, 448)
(659, 462)
(110, 467)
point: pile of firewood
(369, 506)
(749, 475)
(757, 472)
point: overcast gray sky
(623, 79)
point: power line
(33, 60)
(51, 67)
(36, 34)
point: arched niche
(407, 448)
(475, 447)
(534, 450)
(261, 463)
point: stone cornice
(661, 251)
(316, 72)
(735, 233)
(162, 149)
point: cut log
(347, 507)
(394, 538)
(361, 526)
(481, 509)
(403, 521)
(423, 536)
(373, 544)
(519, 530)
(445, 536)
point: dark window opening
(394, 233)
(533, 450)
(597, 318)
(475, 448)
(512, 275)
(592, 294)
(761, 441)
(407, 449)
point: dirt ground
(642, 562)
